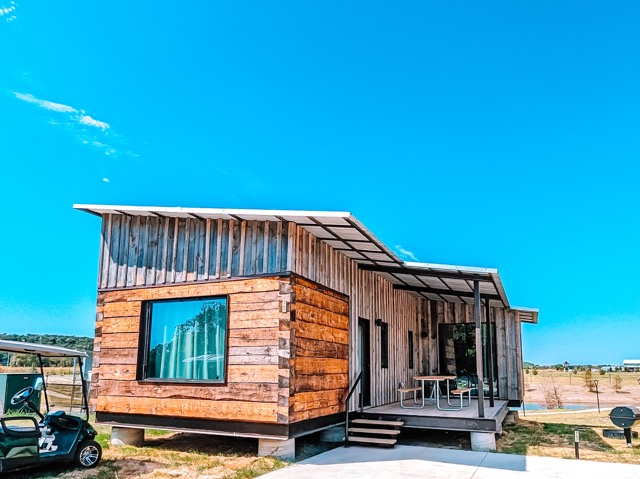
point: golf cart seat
(60, 421)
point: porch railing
(346, 403)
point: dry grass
(58, 371)
(552, 435)
(563, 378)
(571, 388)
(170, 455)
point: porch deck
(431, 417)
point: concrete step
(373, 440)
(364, 430)
(378, 422)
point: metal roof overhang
(343, 232)
(43, 350)
(444, 282)
(527, 315)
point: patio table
(436, 380)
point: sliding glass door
(457, 344)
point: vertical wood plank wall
(319, 351)
(149, 250)
(371, 297)
(256, 389)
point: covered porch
(429, 417)
(468, 330)
(469, 340)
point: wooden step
(378, 422)
(364, 430)
(373, 440)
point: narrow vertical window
(410, 349)
(384, 345)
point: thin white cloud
(89, 131)
(47, 105)
(405, 253)
(87, 120)
(106, 180)
(8, 13)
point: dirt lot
(573, 390)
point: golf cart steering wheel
(22, 396)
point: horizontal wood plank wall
(148, 250)
(258, 334)
(371, 297)
(508, 342)
(320, 351)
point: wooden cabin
(256, 323)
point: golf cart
(30, 440)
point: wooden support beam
(479, 349)
(489, 354)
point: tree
(588, 380)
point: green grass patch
(256, 468)
(519, 438)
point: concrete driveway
(413, 462)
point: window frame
(384, 345)
(144, 337)
(411, 348)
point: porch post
(489, 352)
(479, 349)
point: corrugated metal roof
(40, 349)
(346, 234)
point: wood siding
(282, 366)
(371, 297)
(149, 250)
(258, 340)
(319, 352)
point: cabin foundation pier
(483, 441)
(280, 448)
(127, 436)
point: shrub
(588, 381)
(553, 395)
(617, 383)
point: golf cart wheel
(88, 454)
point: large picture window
(186, 339)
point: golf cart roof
(40, 349)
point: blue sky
(474, 133)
